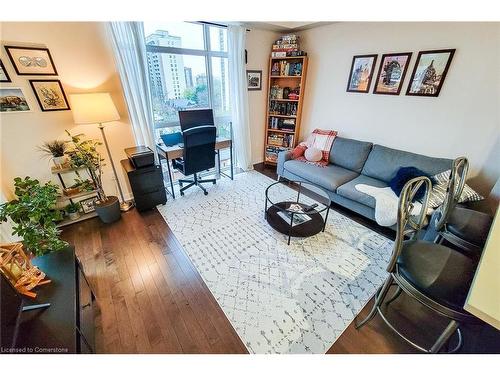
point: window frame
(206, 52)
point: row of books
(284, 109)
(294, 53)
(281, 140)
(282, 123)
(285, 68)
(272, 153)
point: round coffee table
(296, 218)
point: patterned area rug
(279, 298)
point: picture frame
(88, 204)
(430, 72)
(13, 100)
(50, 95)
(361, 74)
(4, 76)
(254, 80)
(31, 61)
(391, 73)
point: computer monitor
(196, 117)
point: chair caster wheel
(205, 192)
(182, 194)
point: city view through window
(188, 69)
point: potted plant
(34, 215)
(84, 154)
(73, 210)
(79, 186)
(55, 149)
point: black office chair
(198, 156)
(465, 228)
(434, 275)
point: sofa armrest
(283, 156)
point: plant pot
(71, 191)
(109, 211)
(59, 161)
(73, 215)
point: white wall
(463, 120)
(258, 45)
(84, 62)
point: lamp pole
(124, 206)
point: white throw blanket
(386, 204)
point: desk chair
(198, 156)
(434, 275)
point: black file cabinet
(147, 185)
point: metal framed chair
(465, 228)
(434, 275)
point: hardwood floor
(152, 299)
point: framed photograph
(4, 76)
(391, 73)
(254, 79)
(429, 72)
(50, 95)
(361, 73)
(31, 61)
(88, 204)
(13, 100)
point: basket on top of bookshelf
(286, 83)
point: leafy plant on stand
(72, 208)
(53, 148)
(34, 215)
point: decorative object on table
(254, 78)
(429, 72)
(73, 210)
(391, 73)
(98, 108)
(17, 268)
(50, 95)
(55, 150)
(405, 174)
(4, 76)
(360, 76)
(12, 100)
(321, 140)
(34, 215)
(31, 61)
(88, 205)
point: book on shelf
(285, 68)
(280, 140)
(283, 109)
(272, 153)
(277, 54)
(281, 123)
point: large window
(188, 69)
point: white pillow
(313, 154)
(438, 193)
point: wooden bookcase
(274, 121)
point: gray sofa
(356, 162)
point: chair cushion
(349, 191)
(441, 273)
(470, 225)
(349, 153)
(329, 177)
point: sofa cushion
(350, 153)
(329, 177)
(384, 162)
(348, 190)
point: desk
(172, 152)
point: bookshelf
(283, 113)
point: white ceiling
(285, 26)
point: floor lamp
(98, 108)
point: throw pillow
(438, 193)
(405, 174)
(298, 151)
(322, 140)
(313, 154)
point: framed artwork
(361, 73)
(50, 95)
(391, 73)
(31, 61)
(88, 204)
(429, 72)
(254, 79)
(4, 76)
(13, 100)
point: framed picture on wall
(13, 100)
(254, 79)
(31, 61)
(50, 95)
(429, 72)
(361, 73)
(4, 76)
(391, 73)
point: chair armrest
(283, 156)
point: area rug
(280, 298)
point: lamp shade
(93, 108)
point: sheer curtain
(238, 95)
(129, 46)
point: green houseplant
(55, 150)
(34, 215)
(73, 210)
